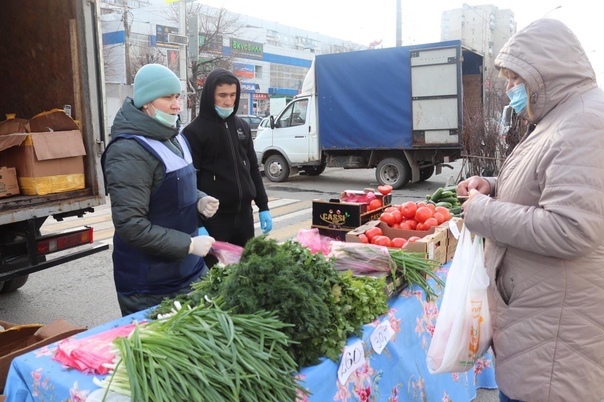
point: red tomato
(363, 238)
(412, 223)
(375, 204)
(391, 209)
(405, 226)
(422, 214)
(413, 239)
(398, 242)
(385, 189)
(371, 232)
(445, 212)
(431, 206)
(381, 241)
(387, 218)
(439, 217)
(421, 226)
(430, 222)
(408, 209)
(398, 216)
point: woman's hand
(481, 185)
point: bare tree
(486, 141)
(213, 27)
(141, 55)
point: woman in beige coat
(543, 220)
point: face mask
(518, 98)
(223, 111)
(166, 119)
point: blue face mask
(165, 118)
(518, 98)
(223, 112)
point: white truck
(50, 56)
(399, 110)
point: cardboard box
(451, 239)
(336, 234)
(433, 243)
(50, 162)
(17, 339)
(334, 214)
(8, 182)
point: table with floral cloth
(398, 373)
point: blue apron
(173, 205)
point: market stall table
(398, 373)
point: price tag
(353, 357)
(454, 229)
(381, 335)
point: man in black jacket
(226, 163)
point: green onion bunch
(206, 354)
(415, 268)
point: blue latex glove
(266, 221)
(201, 231)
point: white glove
(201, 245)
(207, 206)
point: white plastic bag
(463, 328)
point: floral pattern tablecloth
(399, 373)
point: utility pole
(126, 42)
(399, 23)
(182, 23)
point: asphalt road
(82, 291)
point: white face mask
(166, 119)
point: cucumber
(437, 194)
(447, 205)
(455, 211)
(447, 194)
(451, 200)
(452, 188)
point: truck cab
(291, 142)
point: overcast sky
(366, 21)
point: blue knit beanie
(153, 81)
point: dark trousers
(503, 398)
(140, 301)
(234, 228)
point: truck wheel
(426, 173)
(276, 168)
(13, 284)
(393, 171)
(314, 170)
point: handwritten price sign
(381, 335)
(353, 357)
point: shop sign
(246, 49)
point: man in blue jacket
(226, 163)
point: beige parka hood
(550, 58)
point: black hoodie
(223, 153)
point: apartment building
(483, 28)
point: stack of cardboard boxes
(40, 156)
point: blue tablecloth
(399, 373)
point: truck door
(436, 96)
(293, 133)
